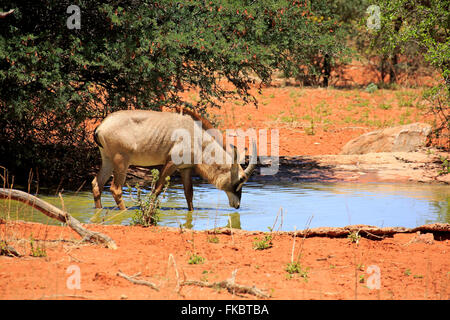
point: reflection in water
(337, 204)
(234, 221)
(188, 224)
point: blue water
(282, 206)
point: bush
(149, 205)
(56, 83)
(423, 26)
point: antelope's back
(144, 136)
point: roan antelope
(146, 138)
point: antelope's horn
(235, 164)
(252, 163)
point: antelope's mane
(206, 124)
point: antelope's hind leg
(120, 164)
(99, 181)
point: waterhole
(265, 206)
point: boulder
(404, 138)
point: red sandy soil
(335, 268)
(291, 116)
(319, 121)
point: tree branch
(137, 281)
(4, 14)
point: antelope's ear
(237, 157)
(234, 165)
(241, 182)
(235, 154)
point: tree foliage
(55, 81)
(425, 26)
(416, 29)
(423, 22)
(316, 41)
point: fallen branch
(371, 232)
(137, 281)
(4, 14)
(7, 250)
(228, 284)
(58, 214)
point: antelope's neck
(217, 174)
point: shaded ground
(420, 166)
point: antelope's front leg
(168, 169)
(186, 178)
(97, 193)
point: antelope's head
(239, 176)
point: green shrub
(37, 250)
(149, 205)
(371, 88)
(264, 243)
(196, 259)
(296, 268)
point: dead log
(370, 232)
(363, 230)
(433, 227)
(4, 14)
(56, 213)
(7, 250)
(441, 230)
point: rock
(405, 138)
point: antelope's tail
(96, 138)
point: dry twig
(177, 289)
(137, 281)
(7, 250)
